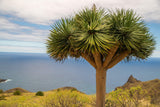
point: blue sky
(25, 24)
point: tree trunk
(100, 88)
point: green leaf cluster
(97, 30)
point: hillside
(152, 86)
(16, 89)
(72, 97)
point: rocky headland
(152, 86)
(3, 80)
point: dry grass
(69, 97)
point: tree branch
(98, 59)
(110, 56)
(118, 58)
(90, 60)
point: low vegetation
(133, 93)
(17, 92)
(65, 98)
(39, 93)
(2, 97)
(1, 91)
(133, 97)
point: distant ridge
(131, 79)
(17, 89)
(67, 88)
(152, 86)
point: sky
(25, 24)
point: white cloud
(23, 37)
(40, 11)
(19, 38)
(5, 24)
(156, 53)
(43, 11)
(149, 9)
(12, 31)
(22, 49)
(21, 43)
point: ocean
(38, 72)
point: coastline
(5, 80)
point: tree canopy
(99, 32)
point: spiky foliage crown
(95, 30)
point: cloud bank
(21, 21)
(13, 31)
(21, 38)
(44, 11)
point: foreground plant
(128, 98)
(66, 98)
(101, 38)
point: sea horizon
(37, 71)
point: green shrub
(73, 89)
(65, 98)
(2, 97)
(110, 103)
(1, 91)
(39, 93)
(58, 90)
(127, 98)
(17, 92)
(155, 99)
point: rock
(3, 80)
(130, 83)
(152, 87)
(131, 79)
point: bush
(1, 91)
(155, 99)
(110, 103)
(2, 97)
(58, 90)
(39, 93)
(73, 89)
(65, 98)
(127, 98)
(17, 92)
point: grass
(69, 98)
(30, 100)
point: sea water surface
(34, 72)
